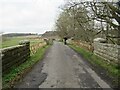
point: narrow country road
(62, 68)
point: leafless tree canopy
(88, 20)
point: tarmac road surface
(62, 67)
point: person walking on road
(65, 39)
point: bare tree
(81, 18)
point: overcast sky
(35, 16)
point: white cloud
(28, 15)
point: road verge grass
(16, 74)
(112, 70)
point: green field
(11, 41)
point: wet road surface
(62, 67)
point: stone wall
(109, 52)
(84, 45)
(35, 47)
(14, 56)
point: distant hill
(49, 34)
(17, 34)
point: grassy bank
(16, 73)
(111, 69)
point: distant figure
(65, 39)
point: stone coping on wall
(11, 47)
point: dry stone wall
(109, 52)
(14, 56)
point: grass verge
(112, 69)
(10, 79)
